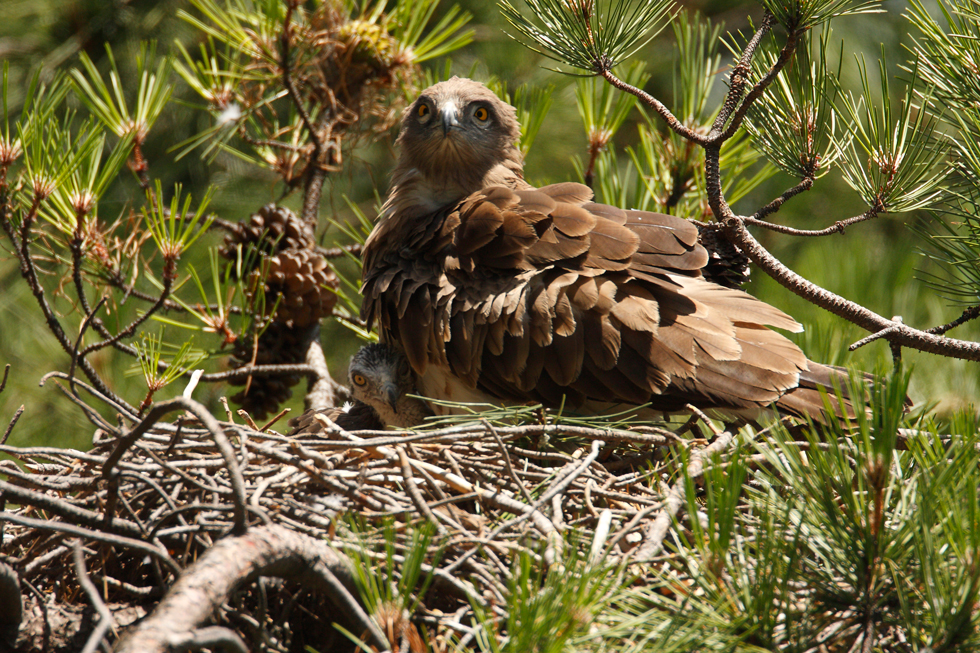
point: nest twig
(154, 506)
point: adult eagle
(497, 291)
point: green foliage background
(875, 264)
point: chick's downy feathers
(381, 383)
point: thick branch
(233, 562)
(900, 334)
(11, 604)
(321, 392)
(312, 192)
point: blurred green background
(877, 264)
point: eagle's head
(460, 137)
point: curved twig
(785, 55)
(672, 122)
(836, 228)
(116, 403)
(740, 76)
(971, 313)
(772, 207)
(89, 316)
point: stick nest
(146, 509)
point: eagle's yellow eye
(423, 111)
(481, 114)
(358, 379)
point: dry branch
(210, 582)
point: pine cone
(727, 264)
(306, 283)
(278, 345)
(264, 396)
(271, 230)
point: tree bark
(269, 550)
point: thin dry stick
(12, 424)
(105, 616)
(114, 540)
(653, 539)
(534, 509)
(704, 419)
(413, 491)
(62, 508)
(510, 468)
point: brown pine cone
(278, 345)
(264, 396)
(271, 230)
(727, 264)
(306, 283)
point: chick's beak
(450, 118)
(390, 392)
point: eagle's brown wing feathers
(541, 294)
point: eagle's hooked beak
(450, 117)
(390, 392)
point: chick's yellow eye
(358, 379)
(481, 114)
(423, 111)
